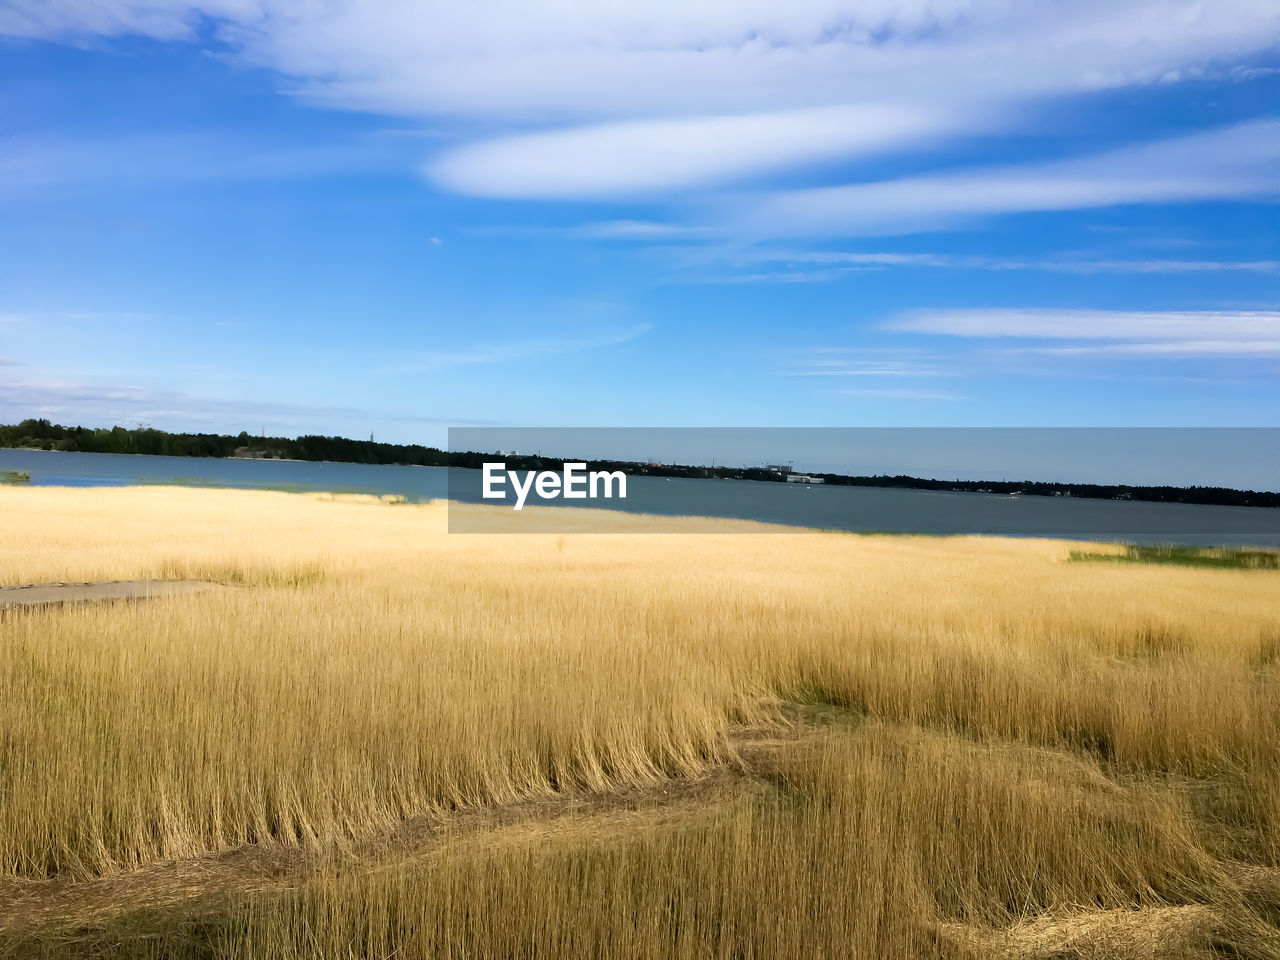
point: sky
(329, 216)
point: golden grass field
(378, 740)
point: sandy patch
(45, 594)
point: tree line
(43, 435)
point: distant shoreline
(42, 435)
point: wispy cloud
(832, 265)
(874, 373)
(583, 99)
(643, 156)
(1170, 348)
(551, 58)
(1105, 266)
(1092, 324)
(637, 230)
(1232, 163)
(518, 350)
(1096, 332)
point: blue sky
(389, 218)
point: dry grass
(1012, 746)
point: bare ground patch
(56, 594)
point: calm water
(836, 508)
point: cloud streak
(1173, 348)
(1231, 163)
(638, 157)
(1185, 333)
(832, 265)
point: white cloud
(1186, 333)
(635, 230)
(889, 373)
(635, 157)
(870, 259)
(1144, 266)
(580, 98)
(1172, 348)
(1232, 163)
(862, 260)
(1093, 324)
(581, 58)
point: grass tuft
(1220, 558)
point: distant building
(778, 467)
(804, 478)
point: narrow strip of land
(52, 594)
